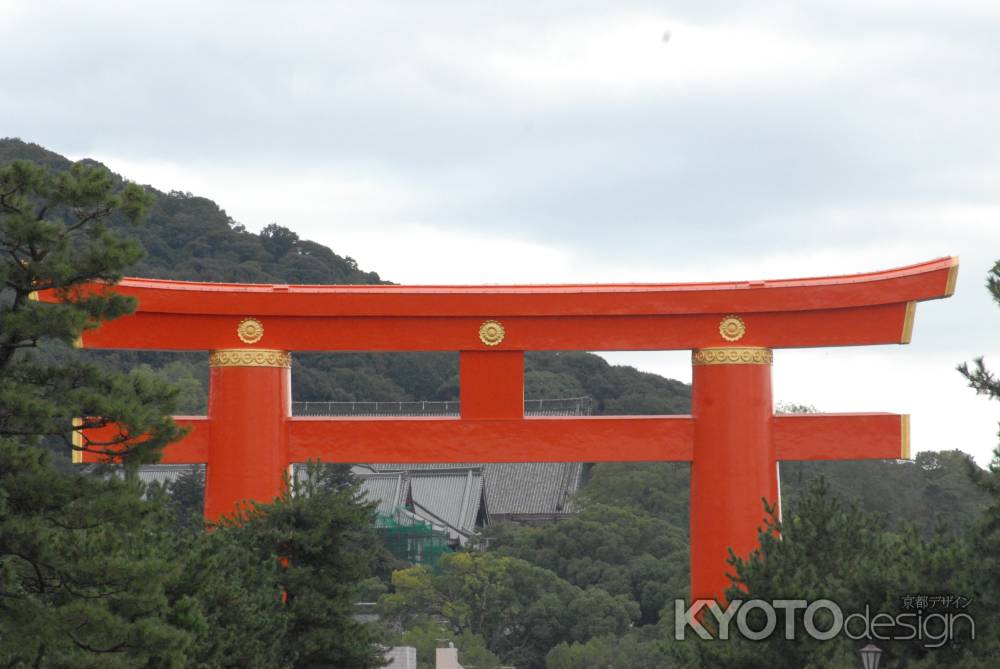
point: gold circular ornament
(732, 328)
(732, 356)
(250, 331)
(491, 333)
(249, 357)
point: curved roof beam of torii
(871, 308)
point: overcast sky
(484, 142)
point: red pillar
(249, 401)
(734, 466)
(491, 384)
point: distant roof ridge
(425, 471)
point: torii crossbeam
(732, 438)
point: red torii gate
(732, 438)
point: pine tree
(85, 567)
(326, 541)
(986, 540)
(98, 570)
(54, 236)
(85, 562)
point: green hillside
(191, 238)
(188, 237)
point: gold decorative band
(249, 357)
(732, 355)
(904, 429)
(77, 440)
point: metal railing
(563, 406)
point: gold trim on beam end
(249, 357)
(33, 296)
(911, 311)
(77, 440)
(732, 355)
(949, 288)
(904, 429)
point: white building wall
(401, 657)
(446, 658)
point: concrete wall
(446, 658)
(402, 657)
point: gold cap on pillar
(732, 355)
(249, 357)
(77, 441)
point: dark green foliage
(831, 549)
(519, 610)
(86, 567)
(190, 238)
(660, 489)
(616, 389)
(86, 564)
(631, 536)
(985, 548)
(601, 652)
(428, 636)
(93, 569)
(92, 574)
(986, 538)
(622, 551)
(187, 497)
(347, 377)
(630, 539)
(932, 489)
(980, 378)
(275, 584)
(55, 234)
(234, 598)
(329, 543)
(369, 377)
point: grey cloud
(397, 89)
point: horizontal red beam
(550, 439)
(883, 324)
(412, 440)
(923, 281)
(861, 436)
(191, 449)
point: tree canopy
(96, 569)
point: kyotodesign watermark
(823, 619)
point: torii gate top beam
(871, 308)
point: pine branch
(980, 379)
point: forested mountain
(191, 238)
